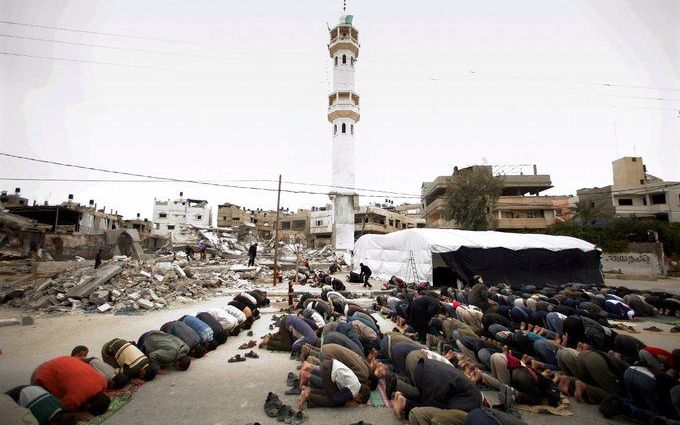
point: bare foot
(578, 391)
(564, 385)
(398, 404)
(304, 395)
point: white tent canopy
(390, 255)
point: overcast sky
(244, 93)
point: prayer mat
(379, 397)
(561, 410)
(119, 399)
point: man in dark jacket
(166, 349)
(252, 253)
(437, 384)
(479, 295)
(186, 334)
(219, 333)
(421, 311)
(365, 274)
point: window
(391, 223)
(162, 215)
(344, 59)
(625, 201)
(592, 205)
(351, 128)
(644, 200)
(532, 214)
(319, 222)
(335, 129)
(351, 61)
(336, 61)
(158, 226)
(344, 128)
(236, 219)
(171, 227)
(658, 198)
(198, 217)
(642, 181)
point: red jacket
(70, 380)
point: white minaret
(343, 113)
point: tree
(471, 195)
(585, 211)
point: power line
(123, 65)
(66, 180)
(111, 34)
(170, 179)
(103, 46)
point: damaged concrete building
(232, 215)
(172, 217)
(70, 230)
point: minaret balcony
(344, 37)
(343, 110)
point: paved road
(212, 391)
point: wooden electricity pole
(276, 235)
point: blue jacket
(204, 331)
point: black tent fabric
(533, 266)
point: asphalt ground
(214, 391)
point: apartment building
(173, 216)
(520, 206)
(635, 193)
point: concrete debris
(9, 322)
(144, 303)
(131, 282)
(104, 308)
(101, 276)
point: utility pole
(276, 235)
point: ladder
(411, 269)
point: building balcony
(642, 210)
(344, 110)
(344, 37)
(437, 205)
(524, 223)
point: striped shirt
(124, 357)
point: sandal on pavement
(252, 355)
(236, 358)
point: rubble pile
(126, 285)
(143, 282)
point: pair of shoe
(272, 405)
(507, 397)
(237, 358)
(247, 345)
(252, 355)
(288, 415)
(294, 383)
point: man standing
(98, 259)
(202, 247)
(365, 274)
(252, 253)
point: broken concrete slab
(100, 297)
(104, 308)
(240, 268)
(134, 296)
(9, 322)
(101, 276)
(146, 304)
